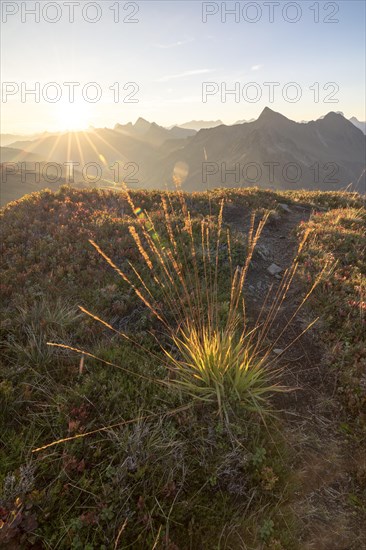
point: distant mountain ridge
(271, 152)
(9, 154)
(152, 132)
(8, 139)
(196, 125)
(359, 124)
(200, 124)
(328, 153)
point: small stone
(274, 216)
(274, 269)
(284, 207)
(278, 351)
(263, 252)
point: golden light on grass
(217, 359)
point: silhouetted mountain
(151, 132)
(9, 154)
(359, 124)
(103, 146)
(7, 139)
(200, 124)
(244, 121)
(272, 151)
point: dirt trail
(312, 414)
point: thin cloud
(167, 78)
(256, 67)
(175, 44)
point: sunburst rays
(80, 147)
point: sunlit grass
(218, 367)
(213, 356)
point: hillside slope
(271, 487)
(326, 154)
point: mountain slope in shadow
(271, 152)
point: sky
(171, 61)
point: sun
(72, 116)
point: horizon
(91, 128)
(170, 62)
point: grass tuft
(217, 359)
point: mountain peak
(334, 115)
(142, 124)
(267, 111)
(336, 120)
(361, 125)
(123, 127)
(267, 114)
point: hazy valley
(270, 152)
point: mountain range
(272, 152)
(200, 124)
(152, 133)
(7, 139)
(326, 154)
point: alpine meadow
(183, 275)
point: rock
(274, 269)
(284, 207)
(263, 252)
(278, 351)
(302, 208)
(274, 217)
